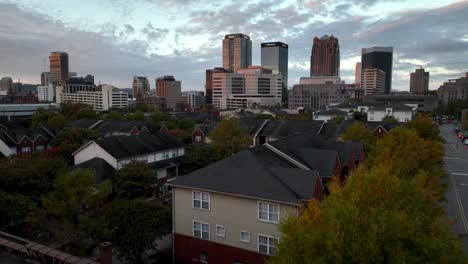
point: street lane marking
(461, 174)
(460, 205)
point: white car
(465, 141)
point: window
(268, 212)
(165, 154)
(40, 148)
(201, 230)
(267, 244)
(201, 200)
(26, 149)
(245, 236)
(203, 257)
(220, 231)
(174, 153)
(198, 139)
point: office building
(194, 99)
(380, 58)
(357, 74)
(419, 81)
(314, 97)
(249, 87)
(141, 87)
(373, 81)
(320, 80)
(274, 55)
(46, 93)
(45, 79)
(325, 57)
(425, 103)
(6, 85)
(88, 79)
(237, 51)
(453, 90)
(168, 88)
(209, 83)
(59, 70)
(101, 98)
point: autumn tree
(135, 179)
(71, 139)
(425, 128)
(57, 121)
(389, 119)
(136, 225)
(187, 124)
(228, 137)
(357, 132)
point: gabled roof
(322, 160)
(104, 171)
(252, 125)
(130, 146)
(206, 129)
(12, 134)
(198, 117)
(82, 123)
(332, 131)
(332, 112)
(257, 173)
(395, 107)
(285, 128)
(123, 126)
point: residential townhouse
(328, 115)
(16, 139)
(402, 113)
(107, 128)
(333, 131)
(230, 211)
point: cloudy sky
(116, 39)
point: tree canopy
(136, 179)
(357, 132)
(228, 137)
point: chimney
(105, 253)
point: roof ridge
(282, 183)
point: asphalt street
(456, 165)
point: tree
(357, 132)
(181, 107)
(14, 208)
(389, 119)
(336, 119)
(183, 135)
(425, 128)
(359, 116)
(70, 212)
(57, 121)
(71, 139)
(85, 113)
(158, 116)
(187, 124)
(115, 115)
(199, 156)
(228, 137)
(138, 115)
(264, 116)
(136, 179)
(136, 226)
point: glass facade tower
(274, 56)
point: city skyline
(120, 43)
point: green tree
(357, 132)
(359, 116)
(115, 115)
(136, 226)
(41, 116)
(228, 137)
(71, 139)
(199, 156)
(138, 115)
(183, 135)
(158, 116)
(57, 121)
(389, 119)
(264, 116)
(85, 113)
(336, 119)
(425, 128)
(14, 208)
(181, 107)
(70, 212)
(136, 179)
(143, 107)
(187, 124)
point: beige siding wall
(234, 213)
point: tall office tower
(141, 87)
(168, 88)
(6, 84)
(237, 51)
(357, 74)
(194, 99)
(419, 81)
(380, 58)
(325, 57)
(209, 83)
(58, 67)
(274, 55)
(373, 81)
(45, 79)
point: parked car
(465, 141)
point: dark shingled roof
(206, 129)
(252, 125)
(104, 171)
(256, 172)
(11, 133)
(322, 160)
(109, 127)
(332, 112)
(82, 123)
(332, 131)
(395, 107)
(130, 146)
(285, 128)
(166, 163)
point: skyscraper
(380, 58)
(141, 87)
(419, 81)
(325, 57)
(357, 74)
(209, 82)
(373, 81)
(59, 70)
(45, 78)
(237, 51)
(6, 84)
(167, 87)
(274, 56)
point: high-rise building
(141, 87)
(101, 98)
(357, 74)
(237, 51)
(194, 99)
(45, 79)
(46, 93)
(59, 71)
(209, 83)
(6, 84)
(453, 90)
(419, 81)
(380, 58)
(168, 88)
(88, 79)
(313, 96)
(249, 87)
(373, 81)
(274, 55)
(325, 57)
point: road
(456, 165)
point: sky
(117, 39)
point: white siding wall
(6, 150)
(377, 116)
(91, 151)
(234, 213)
(153, 157)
